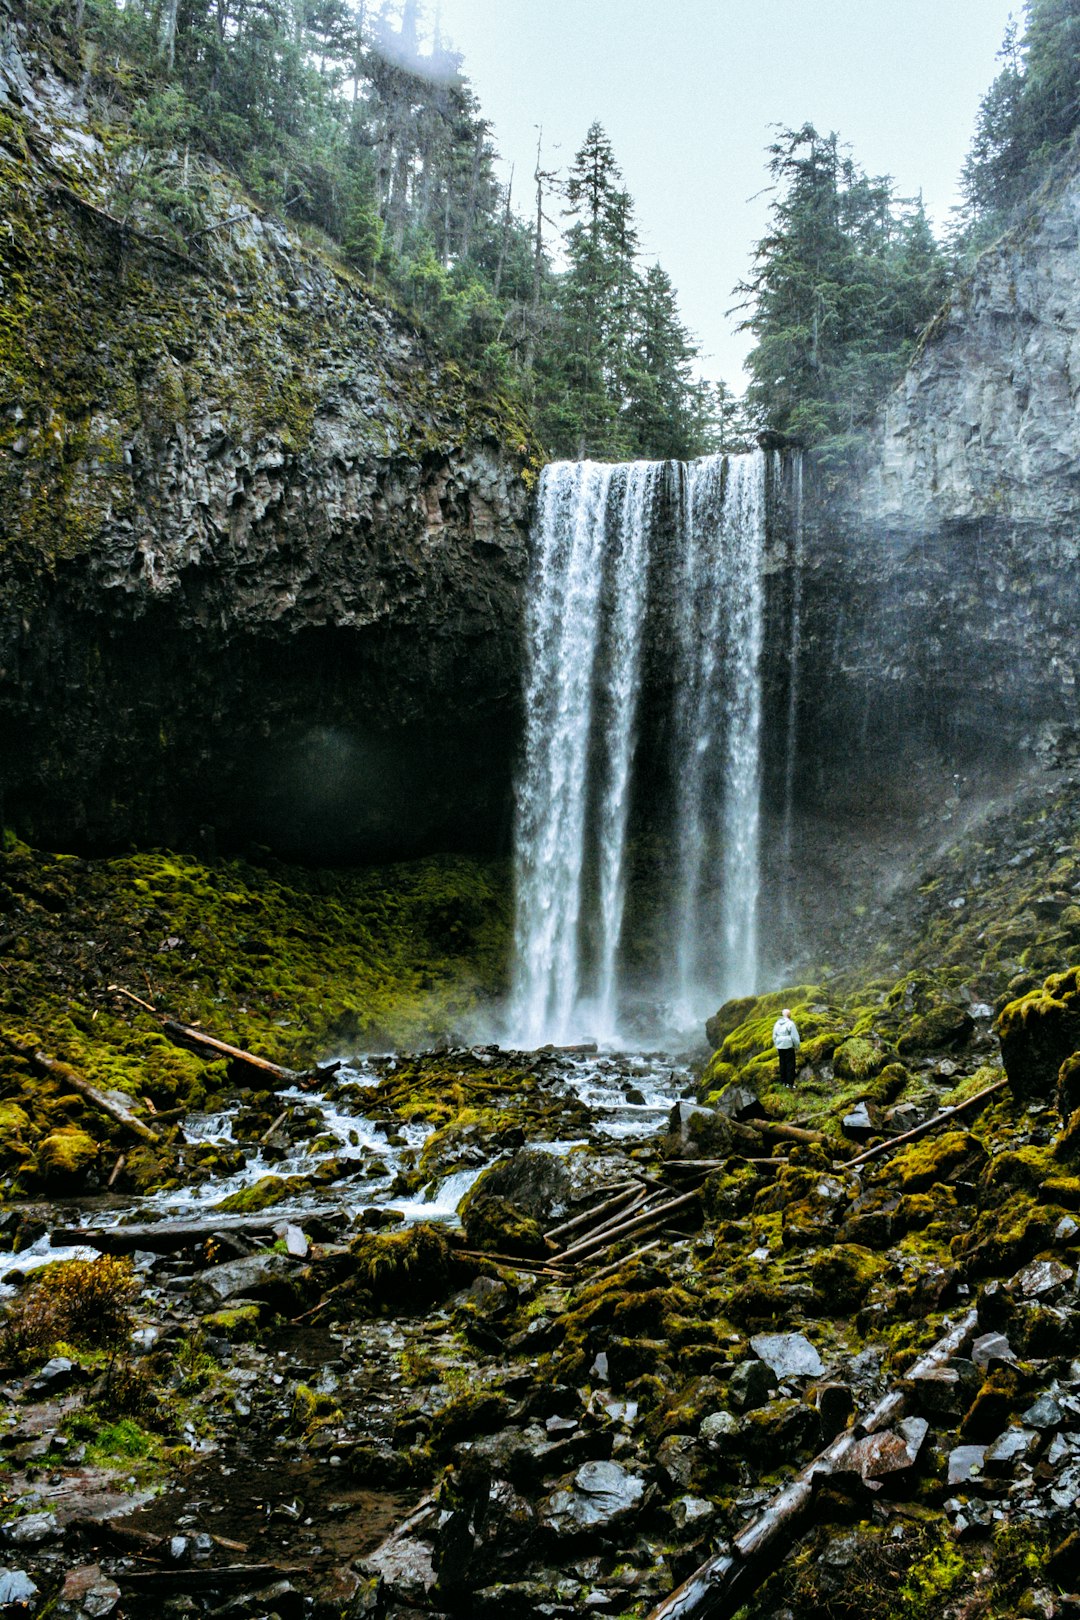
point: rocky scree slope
(592, 1438)
(260, 551)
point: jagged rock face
(940, 586)
(261, 556)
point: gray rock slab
(991, 1347)
(31, 1530)
(601, 1494)
(1045, 1413)
(1009, 1449)
(1041, 1279)
(16, 1587)
(220, 1283)
(790, 1355)
(965, 1464)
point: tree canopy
(842, 284)
(356, 118)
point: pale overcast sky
(687, 90)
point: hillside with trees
(360, 124)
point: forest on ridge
(358, 122)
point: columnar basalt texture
(261, 554)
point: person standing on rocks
(785, 1037)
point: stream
(354, 1159)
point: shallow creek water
(627, 1095)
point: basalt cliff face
(941, 588)
(261, 554)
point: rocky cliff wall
(939, 587)
(260, 553)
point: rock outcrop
(260, 552)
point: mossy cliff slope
(251, 530)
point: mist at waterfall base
(638, 831)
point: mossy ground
(291, 963)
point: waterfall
(718, 732)
(599, 580)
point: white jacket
(785, 1035)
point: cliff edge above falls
(985, 422)
(261, 552)
(939, 589)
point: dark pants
(786, 1054)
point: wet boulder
(599, 1497)
(1038, 1032)
(695, 1132)
(946, 1026)
(254, 1276)
(509, 1205)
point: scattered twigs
(188, 1035)
(927, 1125)
(121, 1160)
(612, 1234)
(107, 1105)
(622, 1193)
(725, 1580)
(542, 1268)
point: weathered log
(123, 1116)
(167, 1581)
(641, 1197)
(722, 1583)
(927, 1125)
(161, 1237)
(270, 1130)
(544, 1268)
(637, 1223)
(187, 1035)
(614, 1265)
(776, 1127)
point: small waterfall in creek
(602, 581)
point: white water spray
(590, 594)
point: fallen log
(162, 1237)
(723, 1582)
(614, 1265)
(542, 1268)
(123, 1116)
(604, 1240)
(188, 1035)
(167, 1581)
(792, 1133)
(928, 1125)
(640, 1197)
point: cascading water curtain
(587, 603)
(584, 626)
(717, 732)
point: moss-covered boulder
(66, 1156)
(942, 1028)
(858, 1058)
(406, 1272)
(14, 1136)
(1038, 1032)
(729, 1017)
